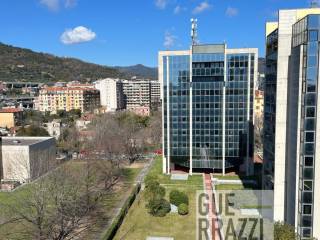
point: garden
(165, 208)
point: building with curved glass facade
(207, 103)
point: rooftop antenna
(314, 3)
(194, 31)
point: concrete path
(213, 219)
(145, 171)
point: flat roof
(10, 110)
(23, 141)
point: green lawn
(156, 170)
(139, 224)
(229, 187)
(227, 177)
(109, 202)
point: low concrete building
(23, 159)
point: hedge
(116, 223)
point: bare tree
(55, 207)
(258, 132)
(132, 129)
(154, 129)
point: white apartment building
(111, 94)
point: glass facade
(239, 106)
(207, 96)
(176, 95)
(221, 105)
(305, 34)
(270, 107)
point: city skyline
(98, 33)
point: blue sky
(127, 32)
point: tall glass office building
(292, 128)
(207, 97)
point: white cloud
(169, 40)
(70, 3)
(161, 4)
(52, 5)
(232, 12)
(201, 7)
(177, 10)
(77, 35)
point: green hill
(140, 70)
(20, 64)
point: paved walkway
(145, 171)
(139, 180)
(213, 219)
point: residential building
(259, 85)
(10, 117)
(207, 106)
(111, 94)
(137, 93)
(259, 103)
(291, 125)
(79, 84)
(24, 159)
(84, 121)
(54, 128)
(53, 99)
(155, 93)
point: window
(311, 99)
(307, 209)
(310, 112)
(313, 35)
(309, 137)
(307, 197)
(306, 232)
(308, 173)
(309, 148)
(308, 161)
(307, 185)
(306, 221)
(313, 21)
(309, 124)
(312, 61)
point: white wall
(108, 93)
(286, 19)
(25, 163)
(15, 162)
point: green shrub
(177, 198)
(158, 207)
(154, 191)
(150, 179)
(183, 209)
